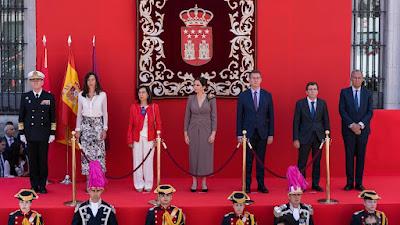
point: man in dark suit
(255, 114)
(355, 107)
(37, 125)
(9, 137)
(310, 122)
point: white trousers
(143, 177)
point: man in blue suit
(355, 107)
(310, 122)
(255, 114)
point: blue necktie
(356, 100)
(255, 100)
(312, 110)
(1, 166)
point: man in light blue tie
(355, 107)
(311, 120)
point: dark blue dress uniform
(84, 216)
(29, 218)
(232, 219)
(161, 216)
(245, 218)
(359, 217)
(37, 121)
(285, 212)
(17, 217)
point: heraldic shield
(196, 37)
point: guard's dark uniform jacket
(232, 219)
(169, 216)
(18, 216)
(37, 121)
(358, 218)
(84, 216)
(286, 211)
(37, 117)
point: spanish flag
(68, 106)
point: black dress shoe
(204, 190)
(317, 188)
(360, 187)
(35, 189)
(43, 190)
(262, 190)
(348, 187)
(192, 190)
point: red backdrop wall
(297, 42)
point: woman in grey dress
(199, 132)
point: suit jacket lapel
(351, 96)
(261, 100)
(306, 108)
(251, 101)
(319, 108)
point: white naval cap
(35, 75)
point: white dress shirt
(359, 102)
(309, 104)
(94, 206)
(37, 93)
(94, 107)
(6, 167)
(258, 95)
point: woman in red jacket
(144, 121)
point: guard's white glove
(23, 139)
(51, 138)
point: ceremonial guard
(164, 213)
(37, 126)
(369, 215)
(295, 212)
(95, 211)
(239, 216)
(24, 215)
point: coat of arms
(196, 37)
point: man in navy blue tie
(310, 122)
(355, 107)
(255, 114)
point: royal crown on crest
(196, 16)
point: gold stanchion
(244, 145)
(328, 199)
(73, 202)
(158, 139)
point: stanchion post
(244, 145)
(158, 139)
(74, 202)
(328, 199)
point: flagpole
(67, 179)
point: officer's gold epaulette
(358, 212)
(12, 213)
(309, 208)
(278, 210)
(37, 214)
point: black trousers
(260, 146)
(355, 146)
(38, 166)
(304, 152)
